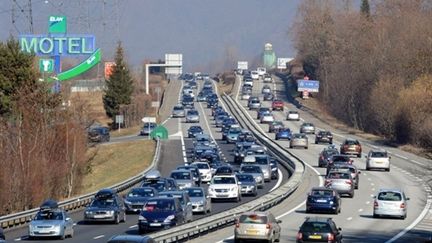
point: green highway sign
(81, 68)
(57, 24)
(46, 65)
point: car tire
(237, 240)
(351, 195)
(375, 215)
(124, 217)
(359, 155)
(306, 147)
(63, 236)
(367, 167)
(276, 138)
(388, 169)
(290, 147)
(117, 219)
(316, 142)
(356, 186)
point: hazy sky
(202, 30)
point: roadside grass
(114, 163)
(126, 131)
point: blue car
(194, 130)
(323, 199)
(160, 213)
(284, 133)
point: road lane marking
(133, 226)
(367, 202)
(17, 239)
(372, 184)
(98, 237)
(349, 219)
(416, 162)
(360, 210)
(400, 156)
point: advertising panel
(308, 85)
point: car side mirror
(407, 198)
(374, 197)
(279, 221)
(359, 172)
(189, 203)
(366, 156)
(68, 219)
(339, 228)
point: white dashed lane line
(368, 202)
(350, 218)
(360, 210)
(98, 237)
(400, 156)
(133, 226)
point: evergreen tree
(16, 71)
(365, 8)
(119, 86)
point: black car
(323, 199)
(99, 134)
(135, 199)
(194, 130)
(160, 213)
(325, 156)
(106, 206)
(324, 137)
(319, 229)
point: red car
(277, 105)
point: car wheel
(308, 210)
(306, 147)
(117, 219)
(290, 146)
(63, 236)
(316, 142)
(277, 138)
(375, 216)
(367, 168)
(356, 186)
(124, 217)
(351, 195)
(359, 155)
(388, 169)
(237, 240)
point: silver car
(390, 202)
(51, 222)
(263, 160)
(147, 128)
(378, 160)
(183, 178)
(255, 171)
(299, 140)
(254, 104)
(248, 185)
(178, 111)
(192, 116)
(341, 181)
(257, 226)
(201, 203)
(307, 128)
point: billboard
(69, 45)
(108, 69)
(57, 24)
(307, 85)
(174, 59)
(242, 65)
(282, 61)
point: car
(325, 156)
(160, 213)
(147, 128)
(192, 116)
(188, 91)
(184, 200)
(254, 104)
(319, 229)
(172, 184)
(257, 225)
(276, 126)
(188, 101)
(355, 173)
(194, 130)
(323, 199)
(49, 221)
(261, 71)
(226, 128)
(268, 97)
(178, 111)
(267, 78)
(299, 140)
(256, 149)
(224, 187)
(183, 178)
(338, 159)
(98, 134)
(196, 177)
(324, 137)
(377, 159)
(204, 170)
(248, 185)
(293, 116)
(263, 160)
(277, 105)
(240, 151)
(219, 119)
(254, 75)
(248, 81)
(246, 136)
(307, 128)
(255, 171)
(106, 206)
(201, 203)
(224, 170)
(212, 102)
(390, 203)
(246, 94)
(267, 118)
(274, 169)
(233, 134)
(341, 181)
(131, 239)
(261, 111)
(351, 147)
(284, 133)
(201, 97)
(135, 199)
(265, 89)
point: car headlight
(141, 218)
(169, 218)
(110, 212)
(259, 178)
(88, 212)
(127, 202)
(56, 228)
(331, 202)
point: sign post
(119, 120)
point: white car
(293, 116)
(204, 170)
(261, 71)
(188, 92)
(378, 160)
(390, 203)
(224, 187)
(267, 118)
(255, 75)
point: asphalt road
(356, 216)
(174, 152)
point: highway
(174, 151)
(355, 219)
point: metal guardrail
(214, 222)
(12, 220)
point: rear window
(251, 169)
(379, 154)
(337, 175)
(202, 165)
(351, 142)
(261, 160)
(181, 175)
(322, 193)
(389, 196)
(195, 193)
(316, 227)
(253, 219)
(245, 178)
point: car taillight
(348, 182)
(322, 157)
(268, 226)
(330, 237)
(376, 204)
(402, 205)
(327, 182)
(237, 225)
(299, 236)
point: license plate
(99, 216)
(252, 232)
(315, 237)
(44, 231)
(155, 224)
(321, 201)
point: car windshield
(159, 185)
(195, 192)
(192, 112)
(341, 158)
(318, 227)
(103, 203)
(181, 175)
(338, 175)
(379, 154)
(389, 196)
(224, 170)
(204, 166)
(178, 108)
(224, 180)
(253, 219)
(262, 160)
(251, 169)
(140, 192)
(322, 193)
(351, 142)
(235, 130)
(49, 215)
(245, 178)
(160, 205)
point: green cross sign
(46, 65)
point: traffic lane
(387, 181)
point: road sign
(155, 104)
(174, 59)
(281, 62)
(242, 65)
(309, 85)
(57, 24)
(149, 119)
(119, 119)
(46, 65)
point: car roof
(391, 190)
(321, 188)
(130, 238)
(259, 213)
(318, 219)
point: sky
(204, 31)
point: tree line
(374, 64)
